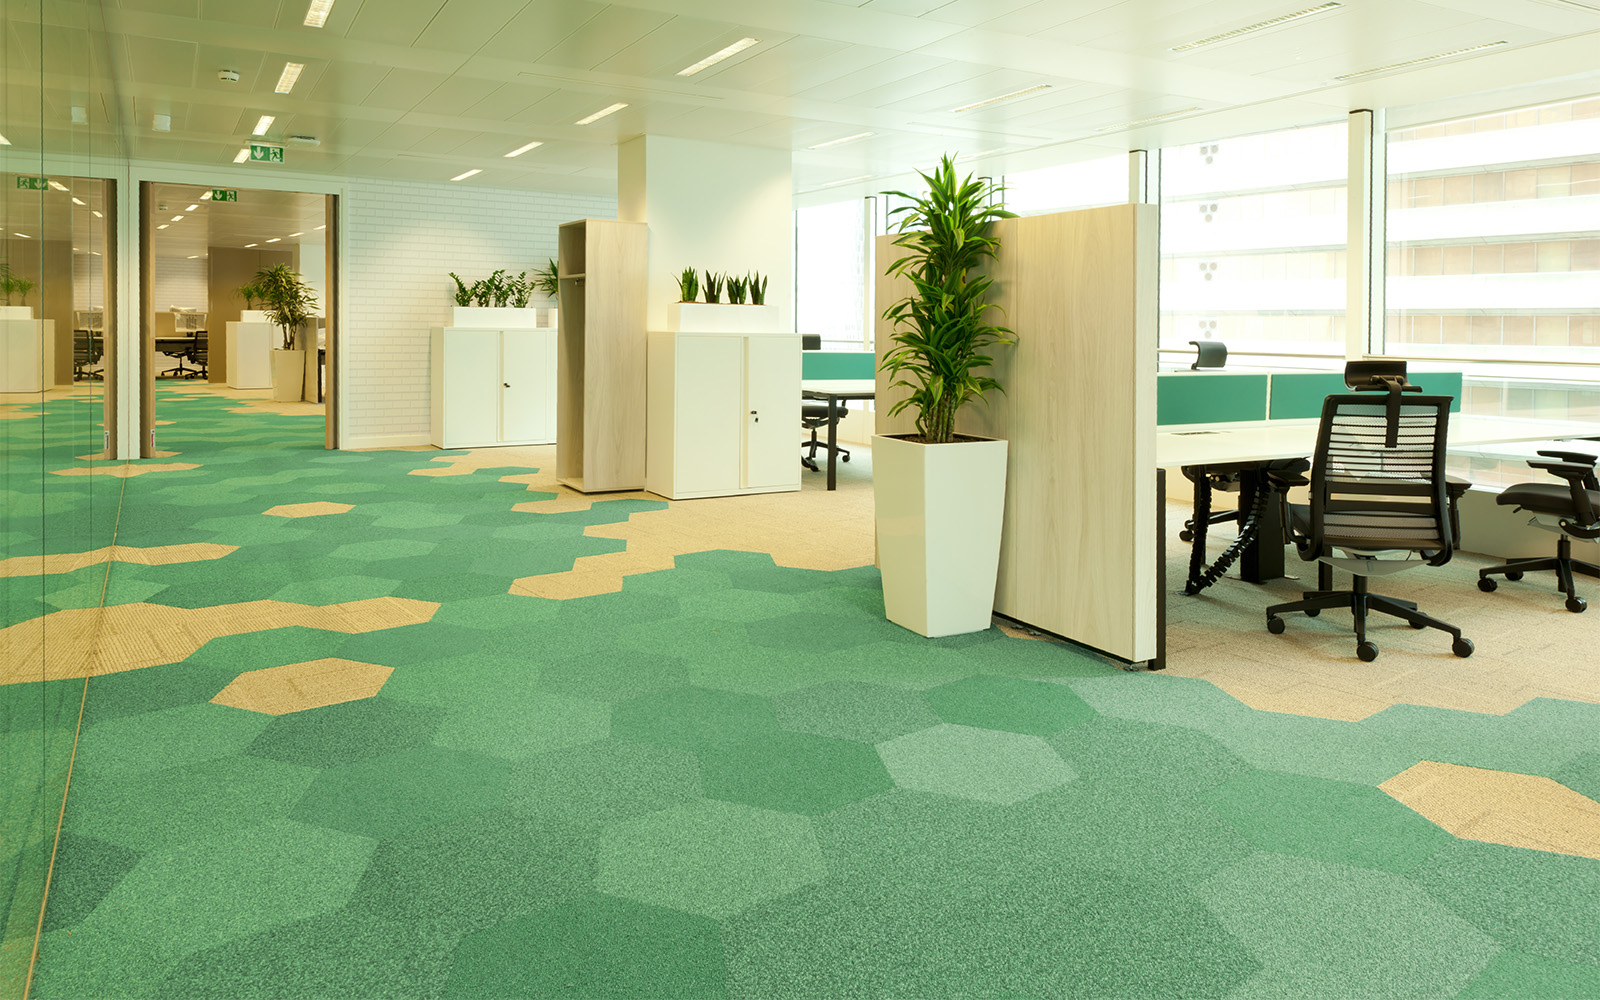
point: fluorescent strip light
(1003, 97)
(275, 239)
(1145, 121)
(207, 195)
(23, 235)
(462, 177)
(613, 109)
(1271, 22)
(194, 256)
(80, 115)
(317, 13)
(291, 73)
(322, 227)
(719, 55)
(58, 185)
(264, 124)
(161, 123)
(241, 156)
(96, 214)
(191, 208)
(162, 226)
(841, 142)
(523, 149)
(79, 201)
(293, 235)
(177, 218)
(1417, 62)
(4, 141)
(249, 246)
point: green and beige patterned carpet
(729, 780)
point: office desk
(834, 390)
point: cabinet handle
(506, 384)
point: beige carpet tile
(156, 555)
(316, 508)
(100, 456)
(125, 469)
(295, 687)
(531, 457)
(1501, 807)
(134, 636)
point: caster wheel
(1185, 535)
(845, 458)
(1313, 612)
(1416, 626)
(1275, 625)
(1514, 575)
(1576, 604)
(1462, 648)
(1487, 584)
(1368, 651)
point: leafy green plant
(463, 292)
(758, 289)
(738, 290)
(521, 290)
(250, 293)
(12, 283)
(547, 279)
(713, 287)
(941, 335)
(289, 300)
(688, 285)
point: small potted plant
(290, 305)
(500, 301)
(14, 285)
(940, 495)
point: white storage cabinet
(724, 411)
(493, 387)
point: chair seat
(814, 411)
(1369, 532)
(1544, 498)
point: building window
(830, 274)
(1086, 184)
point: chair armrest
(1578, 478)
(1577, 458)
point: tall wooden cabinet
(600, 362)
(723, 413)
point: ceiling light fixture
(96, 214)
(264, 124)
(1271, 22)
(79, 201)
(58, 185)
(194, 256)
(4, 141)
(322, 227)
(719, 55)
(161, 123)
(291, 73)
(1145, 121)
(177, 218)
(276, 239)
(248, 246)
(207, 195)
(317, 13)
(293, 235)
(1003, 97)
(613, 109)
(462, 177)
(523, 149)
(191, 208)
(162, 226)
(1418, 62)
(23, 235)
(80, 115)
(241, 156)
(841, 142)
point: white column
(1365, 257)
(1144, 177)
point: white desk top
(841, 386)
(1258, 440)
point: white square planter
(16, 312)
(500, 318)
(721, 317)
(940, 508)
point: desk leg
(833, 443)
(1160, 661)
(1263, 557)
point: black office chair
(1572, 510)
(1378, 489)
(814, 416)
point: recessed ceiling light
(162, 226)
(207, 196)
(322, 227)
(194, 256)
(241, 156)
(291, 73)
(80, 115)
(275, 239)
(247, 246)
(58, 185)
(96, 214)
(23, 235)
(841, 142)
(1145, 121)
(1271, 22)
(177, 218)
(719, 55)
(79, 201)
(1417, 62)
(317, 13)
(293, 235)
(462, 177)
(264, 124)
(4, 141)
(191, 208)
(1003, 97)
(162, 123)
(613, 109)
(523, 149)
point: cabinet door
(708, 416)
(527, 383)
(471, 388)
(772, 413)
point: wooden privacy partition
(1078, 555)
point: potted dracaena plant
(940, 495)
(290, 305)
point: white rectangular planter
(939, 509)
(249, 364)
(16, 312)
(501, 318)
(253, 316)
(721, 317)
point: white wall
(712, 206)
(402, 240)
(88, 281)
(182, 282)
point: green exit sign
(33, 183)
(223, 194)
(262, 153)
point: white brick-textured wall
(182, 282)
(402, 240)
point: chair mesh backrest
(1369, 494)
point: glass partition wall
(57, 508)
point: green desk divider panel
(838, 364)
(1300, 394)
(1206, 399)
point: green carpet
(733, 780)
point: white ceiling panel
(161, 61)
(209, 59)
(679, 43)
(455, 95)
(465, 25)
(255, 13)
(771, 68)
(393, 23)
(972, 13)
(178, 8)
(347, 83)
(402, 89)
(870, 79)
(538, 26)
(609, 32)
(509, 100)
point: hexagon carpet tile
(728, 778)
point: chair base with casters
(1361, 602)
(814, 418)
(1572, 510)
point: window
(1253, 237)
(830, 271)
(1087, 184)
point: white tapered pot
(939, 510)
(288, 375)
